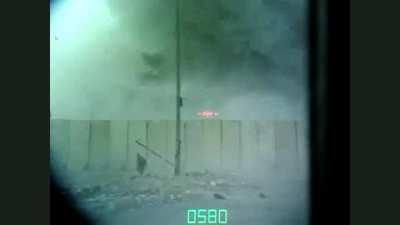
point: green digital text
(207, 216)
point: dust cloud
(116, 59)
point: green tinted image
(212, 216)
(191, 216)
(207, 216)
(175, 112)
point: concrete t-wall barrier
(78, 144)
(119, 148)
(99, 145)
(231, 152)
(286, 146)
(221, 146)
(212, 142)
(59, 142)
(137, 131)
(193, 147)
(249, 142)
(266, 149)
(157, 142)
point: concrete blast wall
(220, 146)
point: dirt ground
(132, 199)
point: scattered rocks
(219, 196)
(175, 197)
(135, 191)
(262, 195)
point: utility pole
(178, 93)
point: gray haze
(246, 59)
(116, 59)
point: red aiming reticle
(207, 114)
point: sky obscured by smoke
(116, 59)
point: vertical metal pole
(178, 94)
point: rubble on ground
(139, 191)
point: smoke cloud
(116, 59)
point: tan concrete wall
(119, 145)
(213, 145)
(59, 142)
(212, 142)
(78, 145)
